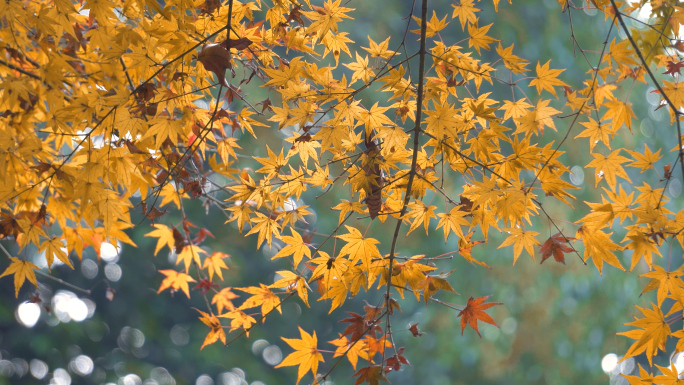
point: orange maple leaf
(475, 310)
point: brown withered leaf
(265, 104)
(370, 374)
(216, 58)
(146, 92)
(41, 167)
(374, 198)
(179, 75)
(154, 213)
(209, 6)
(296, 15)
(178, 241)
(238, 44)
(414, 330)
(133, 149)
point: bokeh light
(82, 365)
(89, 268)
(577, 176)
(272, 355)
(38, 368)
(67, 307)
(109, 253)
(609, 362)
(204, 380)
(162, 376)
(259, 345)
(179, 336)
(61, 377)
(113, 272)
(28, 314)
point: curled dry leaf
(216, 58)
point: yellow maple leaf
(176, 281)
(547, 78)
(465, 12)
(295, 246)
(292, 281)
(596, 132)
(622, 53)
(361, 69)
(53, 248)
(266, 227)
(420, 213)
(326, 18)
(216, 333)
(21, 270)
(223, 300)
(261, 296)
(515, 109)
(620, 112)
(668, 282)
(452, 222)
(478, 37)
(164, 235)
(358, 247)
(433, 26)
(329, 268)
(599, 248)
(431, 284)
(306, 354)
(646, 160)
(533, 122)
(520, 239)
(514, 63)
(674, 92)
(352, 349)
(609, 167)
(190, 253)
(239, 320)
(214, 263)
(375, 118)
(651, 334)
(379, 50)
(31, 232)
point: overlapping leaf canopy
(110, 107)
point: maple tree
(115, 109)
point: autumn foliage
(117, 109)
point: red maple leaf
(394, 363)
(673, 68)
(554, 246)
(474, 311)
(359, 326)
(205, 286)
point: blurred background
(558, 322)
